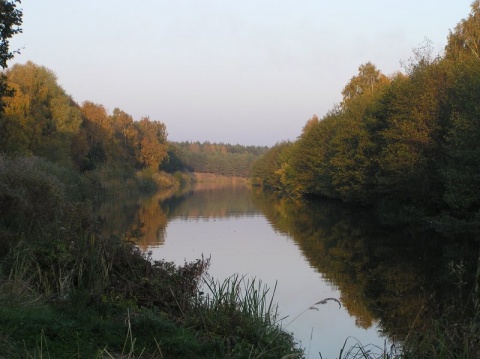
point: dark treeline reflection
(401, 279)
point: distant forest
(217, 158)
(407, 144)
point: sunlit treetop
(367, 79)
(465, 39)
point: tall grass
(242, 314)
(249, 296)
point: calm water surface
(248, 245)
(311, 252)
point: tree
(462, 164)
(411, 142)
(94, 144)
(122, 123)
(312, 159)
(10, 20)
(152, 143)
(350, 160)
(270, 170)
(126, 135)
(365, 82)
(40, 116)
(464, 41)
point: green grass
(59, 332)
(95, 296)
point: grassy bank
(103, 297)
(67, 292)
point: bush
(37, 195)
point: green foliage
(311, 156)
(367, 80)
(461, 168)
(10, 21)
(406, 145)
(271, 170)
(37, 195)
(41, 119)
(463, 42)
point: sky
(249, 72)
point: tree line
(218, 158)
(406, 144)
(39, 118)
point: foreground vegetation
(68, 292)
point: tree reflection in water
(399, 279)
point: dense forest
(217, 158)
(406, 144)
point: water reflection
(134, 215)
(149, 215)
(210, 200)
(387, 281)
(400, 278)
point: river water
(376, 283)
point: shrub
(37, 195)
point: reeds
(359, 351)
(243, 313)
(249, 296)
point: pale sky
(247, 72)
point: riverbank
(104, 298)
(67, 291)
(201, 177)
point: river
(377, 283)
